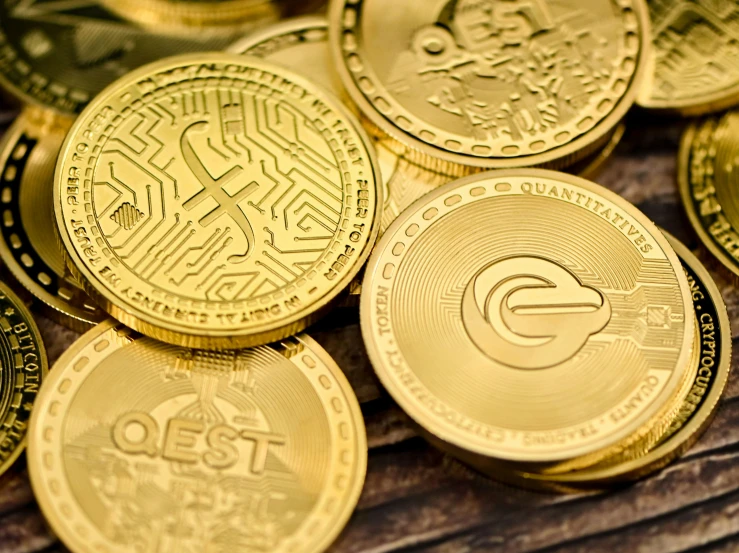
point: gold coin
(695, 56)
(531, 317)
(480, 84)
(141, 446)
(709, 375)
(29, 246)
(708, 185)
(60, 56)
(194, 13)
(217, 201)
(24, 367)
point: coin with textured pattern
(141, 446)
(695, 56)
(29, 246)
(24, 367)
(61, 54)
(710, 372)
(707, 178)
(217, 201)
(488, 84)
(531, 317)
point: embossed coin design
(61, 54)
(24, 367)
(529, 316)
(217, 201)
(708, 183)
(490, 84)
(137, 445)
(695, 56)
(698, 408)
(194, 13)
(302, 45)
(28, 244)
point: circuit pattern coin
(217, 201)
(695, 56)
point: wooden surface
(417, 499)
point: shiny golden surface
(227, 202)
(709, 375)
(29, 246)
(195, 13)
(695, 56)
(492, 84)
(301, 44)
(708, 182)
(529, 316)
(141, 446)
(61, 54)
(24, 367)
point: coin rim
(570, 152)
(43, 363)
(55, 308)
(63, 365)
(683, 181)
(420, 414)
(285, 27)
(688, 434)
(208, 338)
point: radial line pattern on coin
(695, 55)
(252, 449)
(627, 366)
(250, 203)
(489, 83)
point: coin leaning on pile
(531, 323)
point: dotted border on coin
(51, 433)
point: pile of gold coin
(425, 162)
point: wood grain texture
(418, 499)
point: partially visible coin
(485, 85)
(217, 201)
(29, 246)
(137, 445)
(695, 56)
(495, 300)
(710, 373)
(61, 54)
(591, 166)
(24, 367)
(708, 181)
(195, 13)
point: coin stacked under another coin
(532, 323)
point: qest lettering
(191, 441)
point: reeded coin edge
(574, 457)
(462, 165)
(38, 431)
(207, 338)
